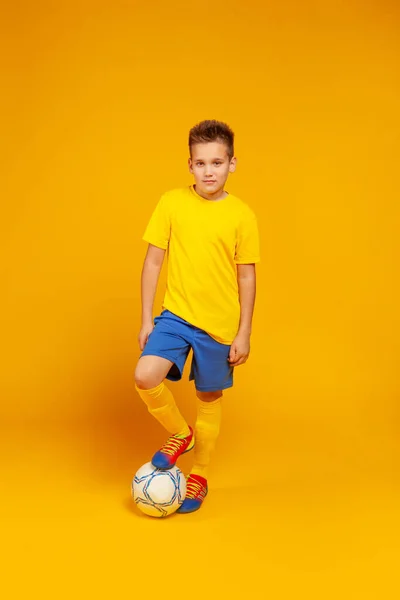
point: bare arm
(246, 276)
(240, 349)
(150, 274)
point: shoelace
(193, 488)
(172, 445)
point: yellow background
(97, 100)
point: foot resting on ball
(167, 456)
(196, 491)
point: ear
(232, 165)
(190, 165)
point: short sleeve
(247, 242)
(158, 229)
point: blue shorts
(172, 338)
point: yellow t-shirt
(205, 240)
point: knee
(145, 379)
(208, 396)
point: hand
(144, 333)
(240, 350)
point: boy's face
(210, 166)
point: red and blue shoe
(196, 491)
(167, 456)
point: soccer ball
(158, 493)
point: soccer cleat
(167, 456)
(196, 491)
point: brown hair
(212, 131)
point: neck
(218, 195)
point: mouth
(209, 181)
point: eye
(199, 164)
(218, 164)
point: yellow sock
(206, 433)
(161, 404)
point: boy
(212, 241)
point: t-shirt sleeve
(158, 229)
(247, 242)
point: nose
(208, 170)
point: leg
(151, 371)
(206, 432)
(164, 355)
(207, 429)
(208, 396)
(149, 378)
